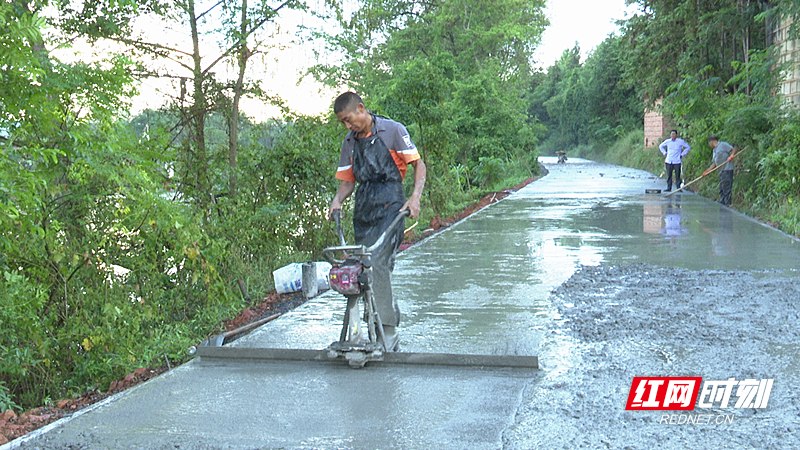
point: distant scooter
(562, 156)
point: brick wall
(656, 127)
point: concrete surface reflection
(482, 286)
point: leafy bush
(6, 402)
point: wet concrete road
(483, 286)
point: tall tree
(76, 190)
(454, 71)
(669, 39)
(614, 106)
(589, 103)
(197, 66)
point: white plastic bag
(288, 278)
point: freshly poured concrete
(303, 405)
(483, 286)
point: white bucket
(289, 278)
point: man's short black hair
(675, 131)
(346, 101)
(713, 138)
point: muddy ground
(643, 320)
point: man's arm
(345, 189)
(663, 148)
(734, 151)
(686, 148)
(420, 172)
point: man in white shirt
(674, 149)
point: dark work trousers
(673, 168)
(725, 186)
(379, 198)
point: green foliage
(627, 151)
(784, 10)
(19, 68)
(20, 29)
(586, 104)
(419, 96)
(488, 171)
(287, 183)
(455, 73)
(779, 164)
(490, 121)
(101, 271)
(768, 184)
(702, 106)
(96, 19)
(668, 40)
(6, 402)
(113, 261)
(613, 106)
(561, 95)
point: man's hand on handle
(345, 189)
(336, 205)
(412, 205)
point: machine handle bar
(337, 217)
(392, 226)
(358, 250)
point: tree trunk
(197, 119)
(746, 43)
(233, 143)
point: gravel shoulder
(643, 320)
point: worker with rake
(723, 154)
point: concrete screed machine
(351, 276)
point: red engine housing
(344, 279)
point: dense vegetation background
(123, 240)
